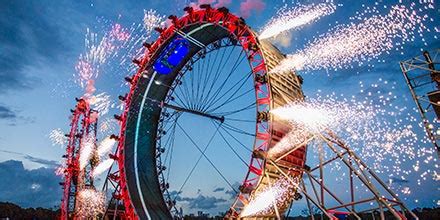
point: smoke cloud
(248, 6)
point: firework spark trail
(262, 203)
(289, 19)
(117, 42)
(87, 147)
(120, 45)
(107, 125)
(381, 132)
(105, 146)
(98, 52)
(101, 103)
(57, 137)
(90, 204)
(298, 135)
(357, 43)
(362, 124)
(102, 167)
(152, 19)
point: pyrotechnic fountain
(81, 160)
(357, 42)
(85, 160)
(291, 19)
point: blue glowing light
(172, 56)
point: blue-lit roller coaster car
(172, 56)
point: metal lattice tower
(423, 80)
(365, 193)
(83, 125)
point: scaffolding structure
(83, 128)
(361, 193)
(423, 80)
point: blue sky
(41, 42)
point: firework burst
(379, 131)
(101, 103)
(357, 42)
(293, 18)
(152, 19)
(98, 51)
(105, 146)
(90, 203)
(87, 148)
(108, 125)
(102, 167)
(57, 137)
(272, 197)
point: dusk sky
(41, 42)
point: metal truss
(423, 81)
(82, 125)
(367, 193)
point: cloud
(248, 6)
(7, 113)
(231, 192)
(200, 201)
(175, 194)
(398, 180)
(12, 116)
(219, 189)
(214, 3)
(44, 162)
(27, 37)
(48, 163)
(283, 39)
(29, 188)
(222, 3)
(203, 202)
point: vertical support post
(273, 199)
(307, 200)
(425, 120)
(330, 216)
(314, 189)
(384, 186)
(115, 213)
(321, 173)
(362, 178)
(351, 187)
(382, 215)
(352, 211)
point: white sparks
(105, 146)
(375, 132)
(314, 117)
(356, 43)
(57, 137)
(101, 103)
(98, 51)
(87, 148)
(90, 203)
(108, 125)
(59, 171)
(264, 202)
(289, 19)
(406, 190)
(152, 19)
(295, 138)
(102, 167)
(35, 187)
